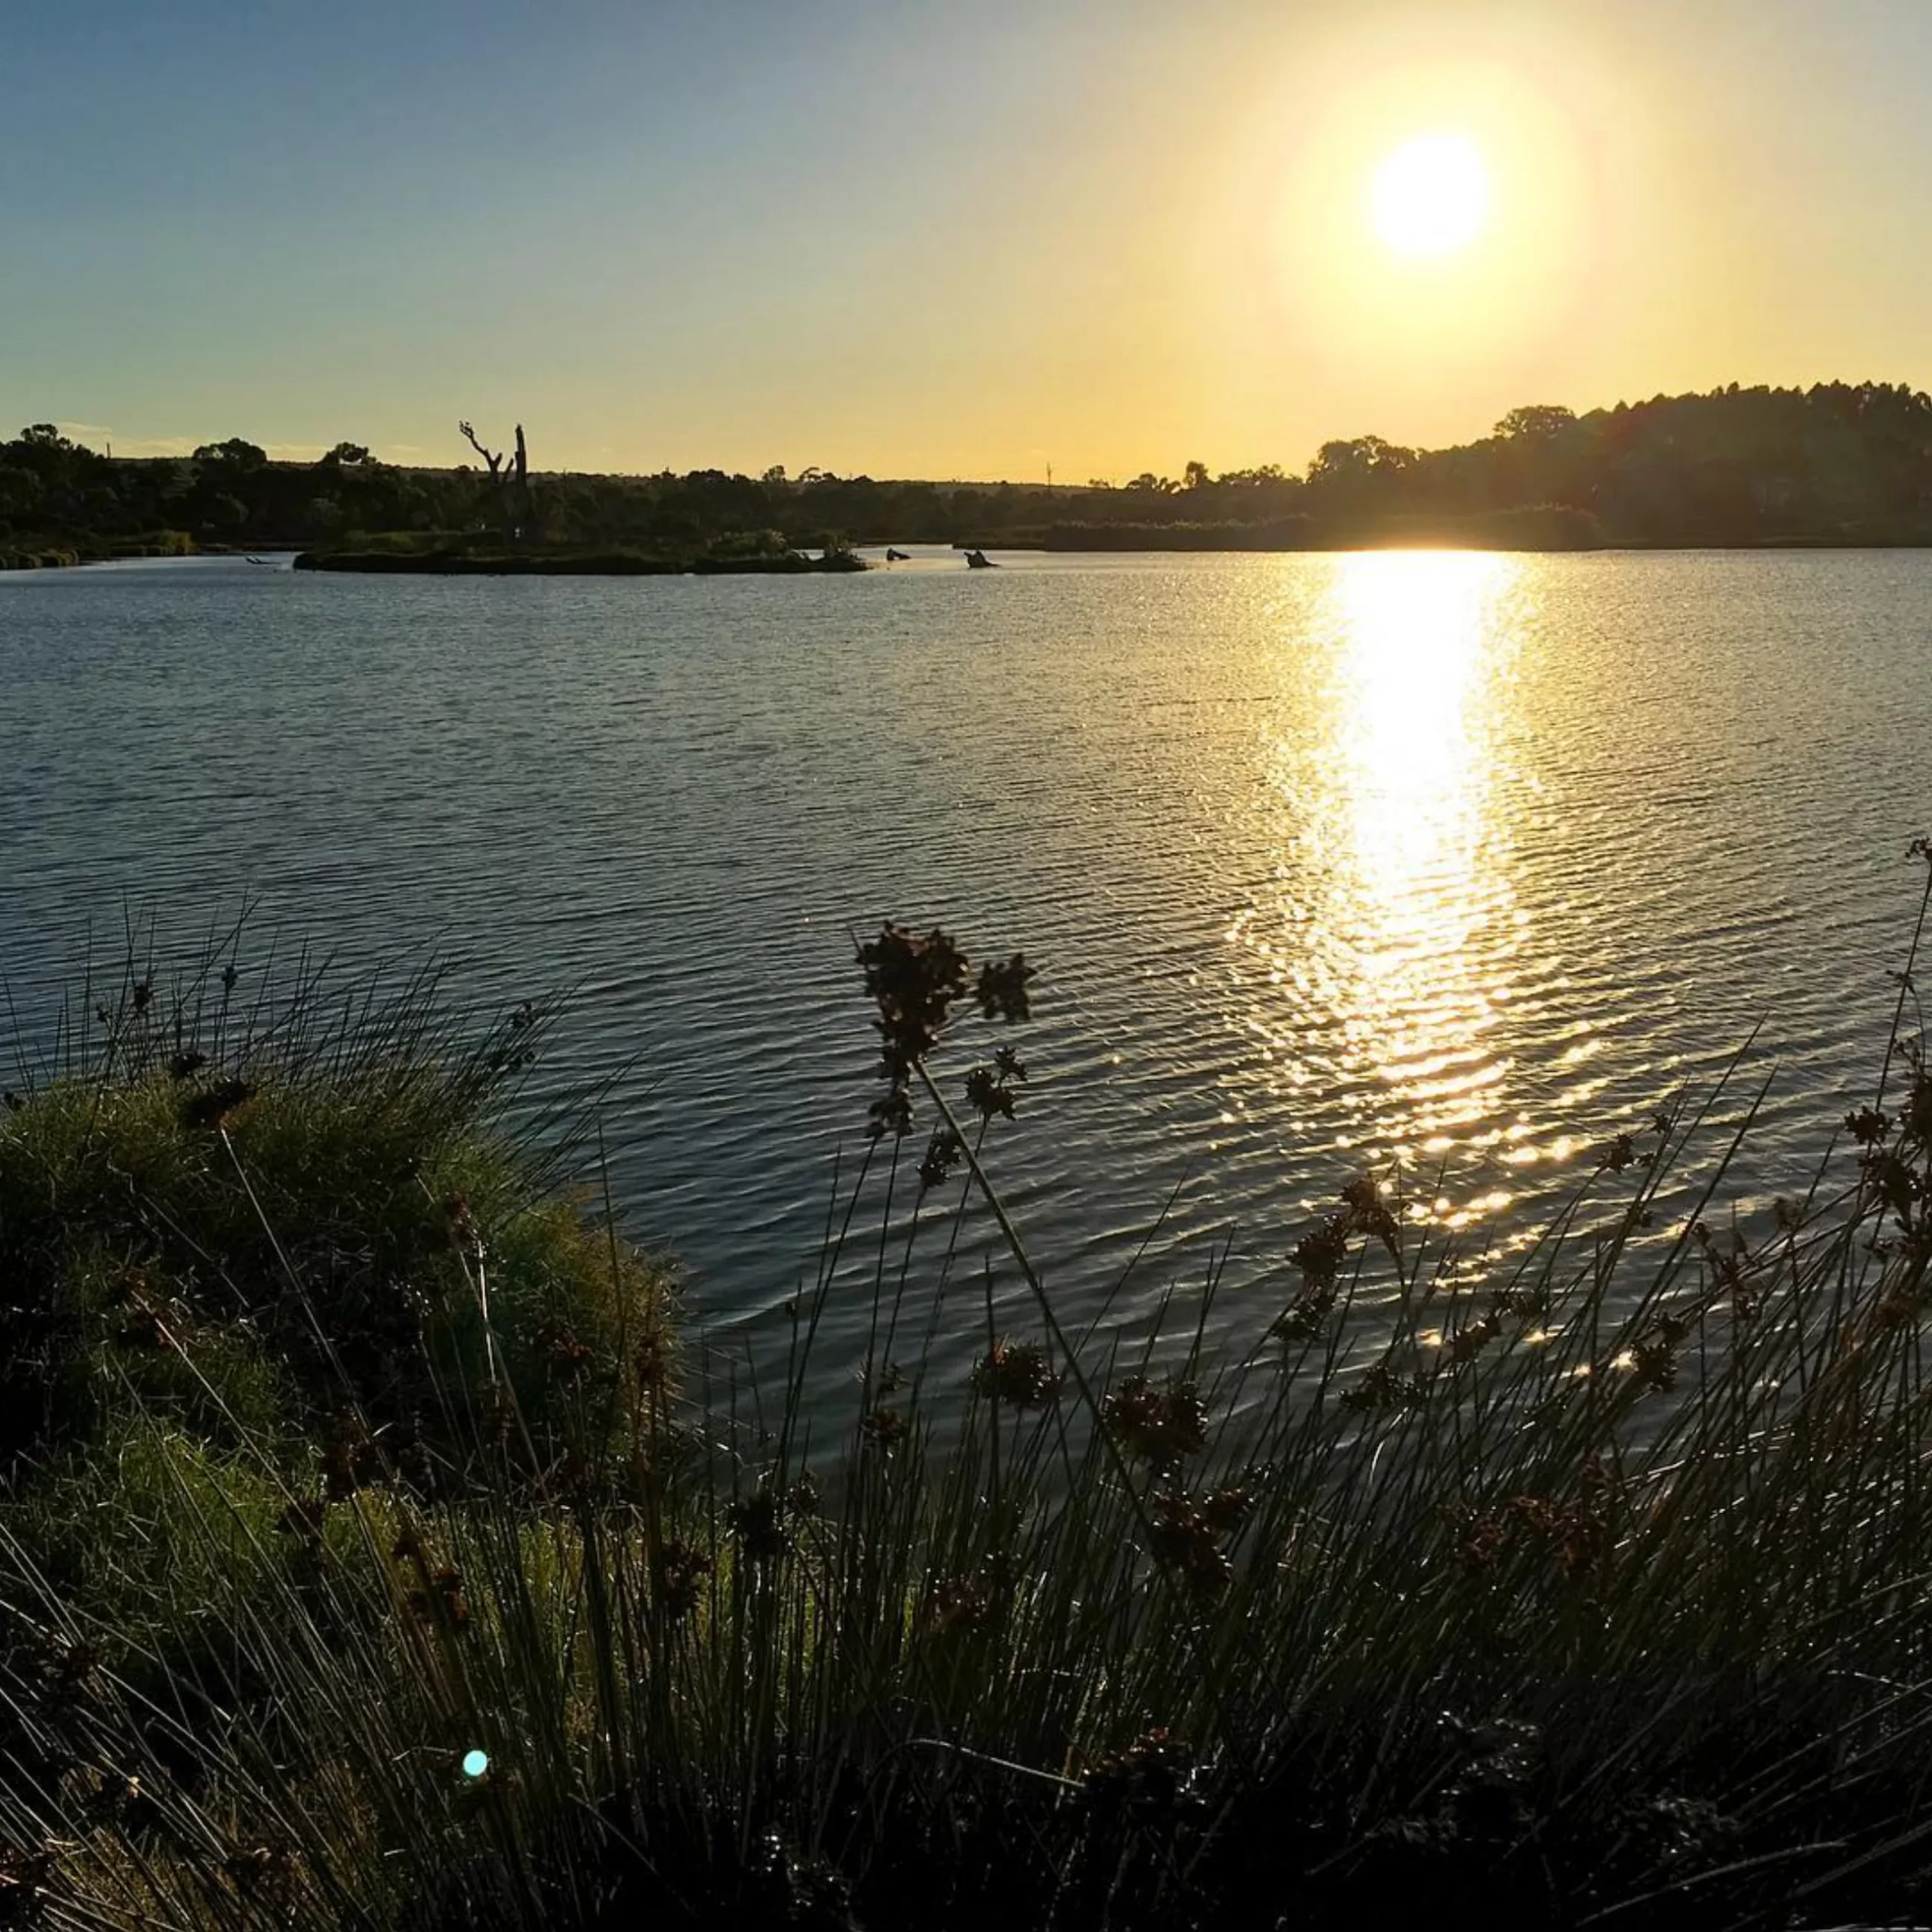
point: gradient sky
(917, 239)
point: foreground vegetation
(363, 1562)
(1837, 463)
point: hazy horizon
(908, 242)
(465, 458)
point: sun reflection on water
(1396, 932)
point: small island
(570, 562)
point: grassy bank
(61, 556)
(1588, 1588)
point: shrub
(739, 543)
(244, 1221)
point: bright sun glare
(1431, 197)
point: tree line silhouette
(1836, 463)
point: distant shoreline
(1447, 539)
(1836, 466)
(379, 564)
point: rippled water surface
(1462, 861)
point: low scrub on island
(758, 553)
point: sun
(1430, 196)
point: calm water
(1327, 862)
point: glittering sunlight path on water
(1391, 944)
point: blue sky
(917, 238)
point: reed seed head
(1018, 1374)
(1161, 1427)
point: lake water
(1462, 861)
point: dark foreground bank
(369, 1556)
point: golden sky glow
(1442, 227)
(917, 240)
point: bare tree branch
(492, 457)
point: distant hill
(1837, 463)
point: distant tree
(774, 479)
(1359, 457)
(1361, 477)
(235, 453)
(1195, 477)
(1536, 421)
(64, 474)
(346, 455)
(21, 491)
(511, 476)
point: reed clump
(256, 1247)
(1590, 1590)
